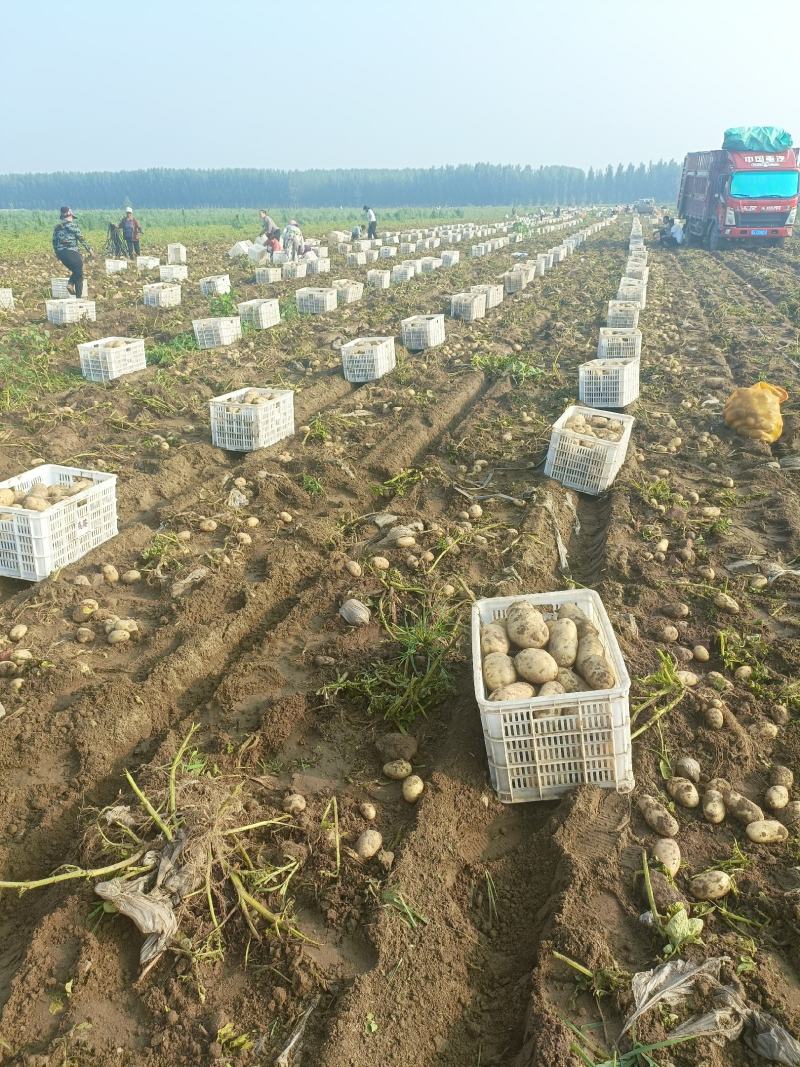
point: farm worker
(66, 238)
(293, 240)
(372, 223)
(131, 231)
(676, 232)
(268, 226)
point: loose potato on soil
(563, 643)
(742, 809)
(767, 831)
(776, 797)
(397, 769)
(498, 671)
(536, 666)
(657, 817)
(687, 767)
(781, 776)
(710, 885)
(667, 852)
(526, 626)
(683, 792)
(713, 806)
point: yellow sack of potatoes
(755, 412)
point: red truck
(747, 195)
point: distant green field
(30, 231)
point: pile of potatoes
(526, 656)
(595, 426)
(40, 497)
(252, 398)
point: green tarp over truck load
(756, 139)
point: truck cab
(739, 196)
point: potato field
(247, 812)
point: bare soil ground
(466, 976)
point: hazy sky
(99, 85)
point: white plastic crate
(403, 272)
(173, 272)
(321, 251)
(260, 314)
(268, 275)
(430, 264)
(147, 262)
(468, 306)
(623, 314)
(280, 258)
(242, 426)
(295, 268)
(387, 252)
(450, 258)
(368, 358)
(33, 544)
(315, 301)
(513, 281)
(58, 289)
(617, 343)
(637, 270)
(116, 266)
(61, 312)
(161, 294)
(347, 291)
(241, 248)
(540, 749)
(494, 294)
(356, 259)
(586, 463)
(633, 290)
(371, 255)
(422, 331)
(111, 357)
(258, 254)
(321, 265)
(6, 300)
(176, 253)
(212, 333)
(215, 285)
(608, 383)
(379, 279)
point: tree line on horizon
(465, 184)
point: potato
(498, 670)
(578, 616)
(713, 806)
(722, 785)
(397, 769)
(657, 817)
(535, 665)
(494, 639)
(35, 503)
(515, 691)
(710, 885)
(572, 682)
(766, 831)
(781, 776)
(687, 767)
(526, 626)
(791, 814)
(743, 809)
(368, 844)
(413, 787)
(563, 643)
(592, 664)
(667, 852)
(776, 797)
(665, 893)
(683, 792)
(6, 498)
(551, 689)
(713, 718)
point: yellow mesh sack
(755, 412)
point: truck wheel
(778, 242)
(713, 237)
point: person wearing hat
(132, 232)
(293, 240)
(66, 239)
